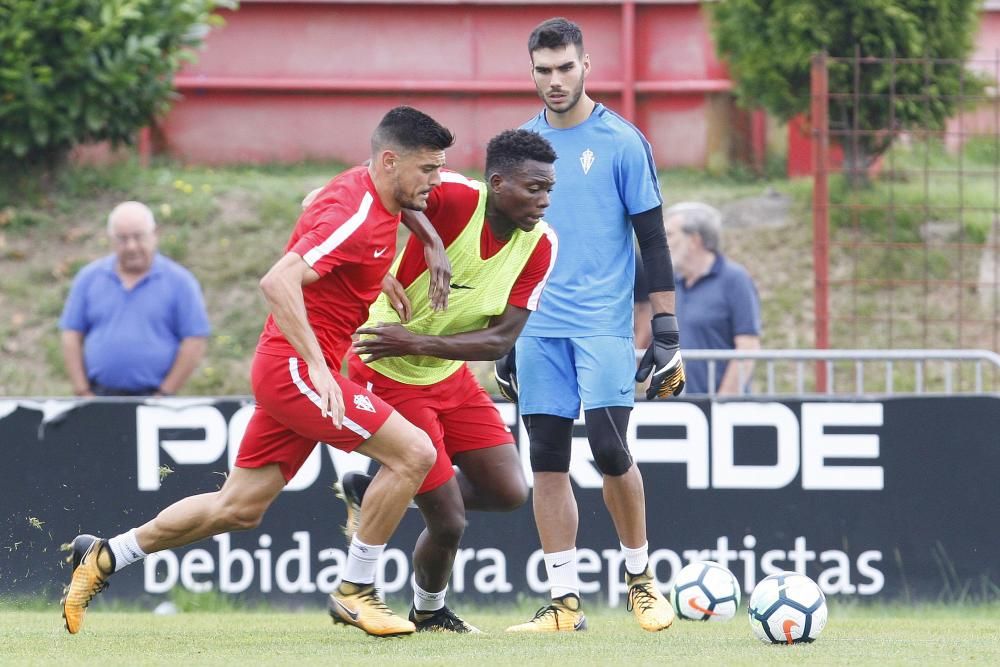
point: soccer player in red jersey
(501, 254)
(319, 293)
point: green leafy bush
(74, 71)
(768, 45)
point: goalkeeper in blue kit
(578, 349)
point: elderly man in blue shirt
(717, 303)
(134, 323)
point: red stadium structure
(289, 81)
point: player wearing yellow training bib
(501, 254)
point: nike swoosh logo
(698, 608)
(457, 286)
(561, 564)
(786, 627)
(379, 253)
(347, 610)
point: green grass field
(855, 635)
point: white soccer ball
(787, 608)
(705, 591)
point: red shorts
(457, 414)
(287, 424)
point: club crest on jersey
(586, 160)
(362, 402)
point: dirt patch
(770, 209)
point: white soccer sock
(424, 601)
(362, 559)
(561, 568)
(126, 549)
(636, 559)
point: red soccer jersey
(450, 208)
(349, 239)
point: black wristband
(664, 323)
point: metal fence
(906, 155)
(857, 372)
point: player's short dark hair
(405, 128)
(555, 33)
(511, 148)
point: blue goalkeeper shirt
(604, 173)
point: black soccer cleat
(441, 620)
(351, 489)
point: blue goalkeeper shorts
(555, 374)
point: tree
(768, 45)
(74, 71)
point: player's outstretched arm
(434, 253)
(488, 344)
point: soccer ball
(705, 591)
(787, 608)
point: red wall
(289, 81)
(984, 120)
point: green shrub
(74, 71)
(768, 45)
(18, 219)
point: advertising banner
(894, 498)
